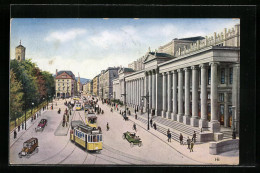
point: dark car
(29, 147)
(41, 125)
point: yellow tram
(91, 119)
(87, 137)
(78, 106)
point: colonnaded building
(194, 81)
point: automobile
(41, 125)
(132, 138)
(29, 147)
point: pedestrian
(70, 111)
(181, 139)
(18, 128)
(15, 134)
(135, 116)
(32, 119)
(194, 137)
(191, 146)
(68, 118)
(154, 125)
(188, 142)
(168, 131)
(129, 112)
(134, 127)
(169, 136)
(66, 124)
(135, 111)
(151, 122)
(22, 125)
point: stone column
(235, 97)
(135, 92)
(158, 93)
(203, 87)
(174, 95)
(169, 95)
(153, 90)
(132, 93)
(139, 91)
(150, 90)
(226, 117)
(214, 123)
(180, 95)
(195, 97)
(145, 90)
(186, 118)
(164, 95)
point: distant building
(65, 84)
(96, 85)
(119, 83)
(20, 53)
(106, 82)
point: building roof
(161, 54)
(20, 46)
(192, 38)
(65, 71)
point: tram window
(97, 138)
(88, 138)
(76, 132)
(100, 137)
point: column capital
(174, 71)
(203, 66)
(186, 69)
(179, 70)
(164, 73)
(235, 65)
(168, 73)
(214, 63)
(194, 67)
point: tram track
(73, 116)
(112, 150)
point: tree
(16, 97)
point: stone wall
(223, 146)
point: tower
(20, 53)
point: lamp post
(234, 119)
(32, 107)
(147, 100)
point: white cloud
(63, 36)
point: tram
(78, 106)
(91, 119)
(87, 137)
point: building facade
(119, 83)
(106, 82)
(194, 81)
(96, 85)
(65, 84)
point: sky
(89, 45)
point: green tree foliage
(36, 84)
(16, 96)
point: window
(208, 96)
(97, 138)
(209, 108)
(100, 137)
(88, 138)
(221, 97)
(222, 75)
(209, 76)
(230, 75)
(221, 109)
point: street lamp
(32, 107)
(147, 100)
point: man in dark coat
(181, 139)
(151, 122)
(188, 142)
(154, 126)
(194, 137)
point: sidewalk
(201, 151)
(22, 131)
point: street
(60, 150)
